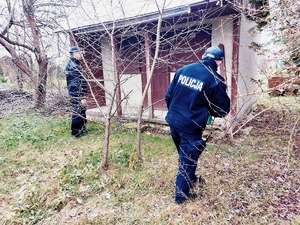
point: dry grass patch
(48, 177)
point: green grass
(49, 177)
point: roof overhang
(205, 8)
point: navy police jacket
(76, 83)
(196, 91)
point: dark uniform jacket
(196, 91)
(76, 83)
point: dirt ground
(284, 125)
(15, 100)
(12, 100)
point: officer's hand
(84, 102)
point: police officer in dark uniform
(77, 89)
(196, 93)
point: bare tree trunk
(149, 79)
(40, 89)
(17, 60)
(110, 114)
(39, 54)
(35, 46)
(20, 80)
(104, 163)
(116, 96)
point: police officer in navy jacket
(77, 89)
(196, 93)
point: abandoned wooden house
(119, 55)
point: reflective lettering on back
(189, 82)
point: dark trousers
(189, 148)
(78, 124)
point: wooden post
(235, 65)
(148, 70)
(117, 78)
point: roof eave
(153, 17)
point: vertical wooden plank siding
(116, 77)
(235, 64)
(223, 65)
